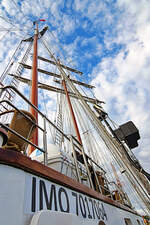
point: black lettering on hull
(62, 190)
(82, 206)
(89, 214)
(49, 202)
(90, 200)
(96, 209)
(33, 202)
(104, 215)
(76, 196)
(53, 197)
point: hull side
(24, 193)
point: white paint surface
(15, 202)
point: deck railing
(91, 169)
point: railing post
(87, 168)
(45, 141)
(99, 186)
(75, 160)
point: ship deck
(18, 160)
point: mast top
(37, 21)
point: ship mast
(34, 86)
(72, 112)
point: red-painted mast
(34, 86)
(72, 112)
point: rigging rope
(63, 53)
(17, 7)
(2, 77)
(14, 25)
(112, 145)
(81, 119)
(4, 35)
(46, 112)
(115, 125)
(132, 194)
(93, 140)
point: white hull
(23, 194)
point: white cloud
(122, 77)
(95, 7)
(123, 81)
(81, 5)
(68, 24)
(9, 7)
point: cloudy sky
(108, 40)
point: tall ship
(63, 160)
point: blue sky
(108, 40)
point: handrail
(20, 136)
(76, 144)
(44, 116)
(9, 103)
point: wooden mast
(70, 107)
(72, 112)
(34, 86)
